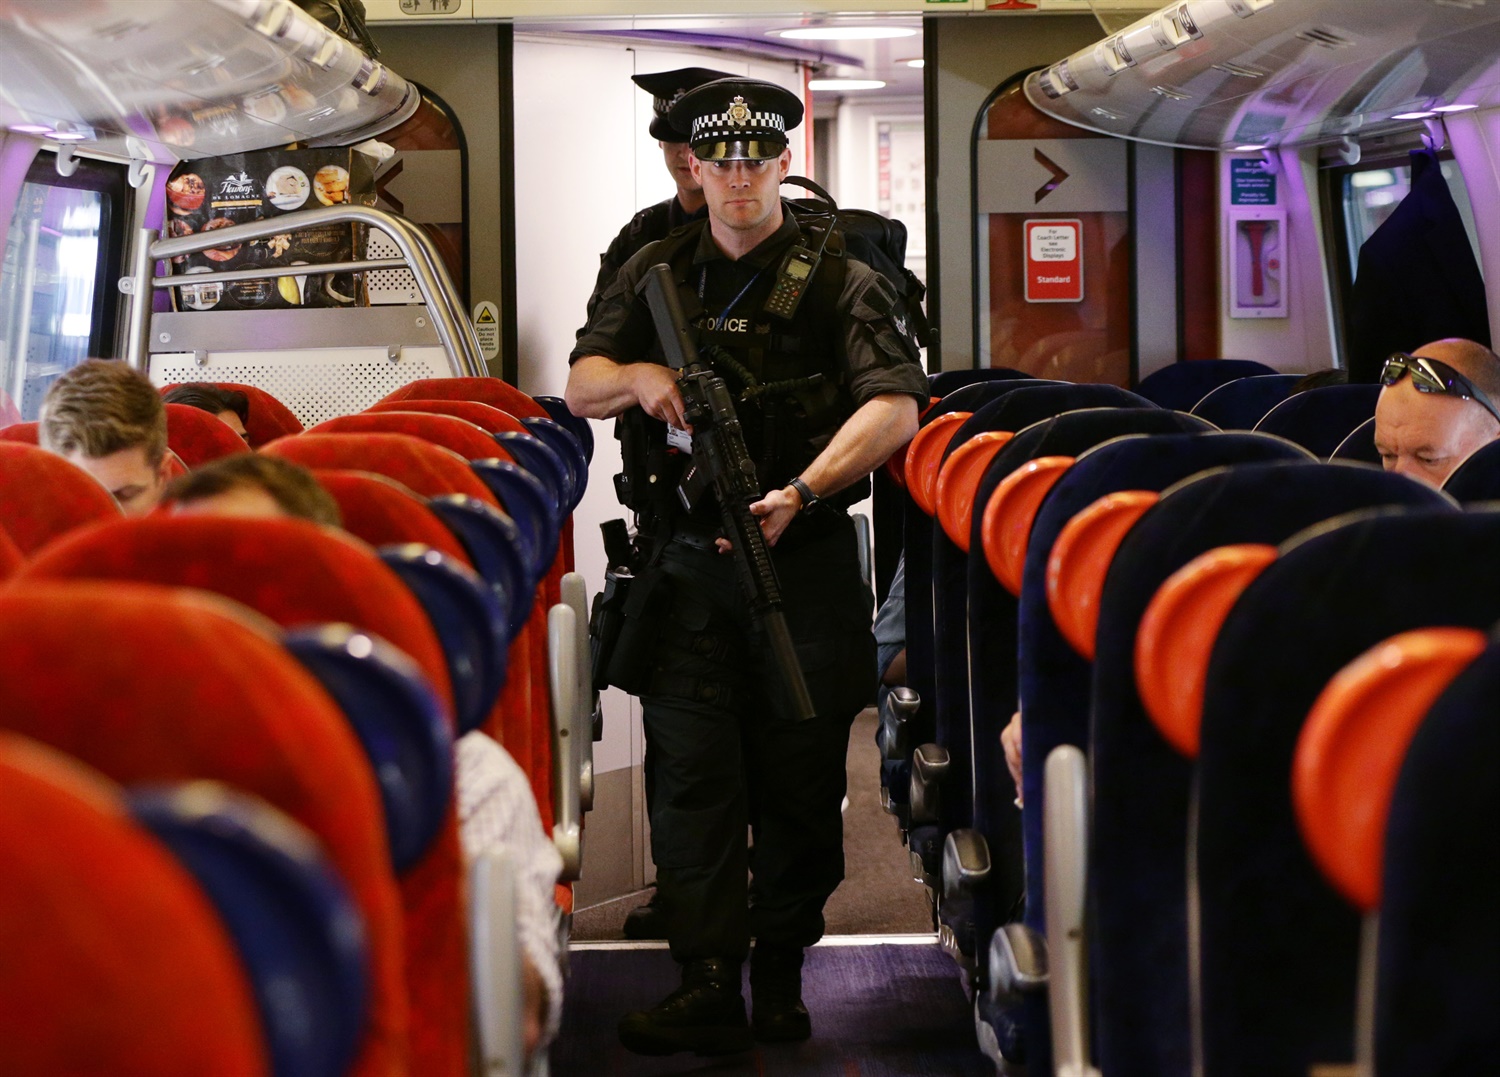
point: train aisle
(882, 1006)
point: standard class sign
(1053, 253)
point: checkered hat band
(717, 125)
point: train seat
(492, 391)
(198, 437)
(25, 433)
(293, 922)
(520, 719)
(1320, 419)
(1140, 784)
(298, 573)
(382, 511)
(43, 496)
(523, 498)
(1279, 948)
(10, 555)
(1240, 404)
(1477, 478)
(1051, 676)
(115, 961)
(1437, 978)
(1359, 446)
(579, 427)
(151, 685)
(1183, 384)
(268, 419)
(946, 381)
(1348, 757)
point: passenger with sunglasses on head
(1437, 407)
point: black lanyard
(702, 284)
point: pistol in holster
(626, 620)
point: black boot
(776, 994)
(648, 921)
(705, 1015)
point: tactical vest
(789, 387)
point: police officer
(825, 396)
(654, 222)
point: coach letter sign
(1054, 261)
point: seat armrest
(966, 862)
(575, 593)
(901, 705)
(1017, 963)
(499, 995)
(562, 661)
(929, 767)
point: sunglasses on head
(1433, 376)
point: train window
(1370, 195)
(57, 300)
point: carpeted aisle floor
(877, 1010)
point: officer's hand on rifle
(776, 511)
(656, 391)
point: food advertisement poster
(212, 193)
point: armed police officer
(654, 222)
(827, 387)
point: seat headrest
(1320, 419)
(383, 512)
(1240, 404)
(491, 391)
(1183, 384)
(1350, 749)
(1477, 478)
(198, 437)
(464, 438)
(426, 469)
(294, 572)
(268, 419)
(43, 496)
(25, 433)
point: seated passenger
(496, 808)
(1427, 424)
(252, 486)
(108, 419)
(230, 406)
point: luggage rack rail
(417, 255)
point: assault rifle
(721, 461)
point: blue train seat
(1141, 786)
(1183, 384)
(1320, 419)
(1279, 948)
(1437, 978)
(1359, 446)
(115, 961)
(1240, 404)
(1477, 478)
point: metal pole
(138, 287)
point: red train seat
(25, 433)
(149, 684)
(198, 437)
(43, 496)
(268, 418)
(115, 961)
(298, 573)
(492, 391)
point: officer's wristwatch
(809, 499)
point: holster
(624, 626)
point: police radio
(796, 270)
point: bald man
(1437, 407)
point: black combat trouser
(726, 754)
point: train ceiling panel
(163, 80)
(1247, 74)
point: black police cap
(737, 119)
(666, 88)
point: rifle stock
(719, 451)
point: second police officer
(654, 222)
(824, 397)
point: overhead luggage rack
(441, 321)
(162, 80)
